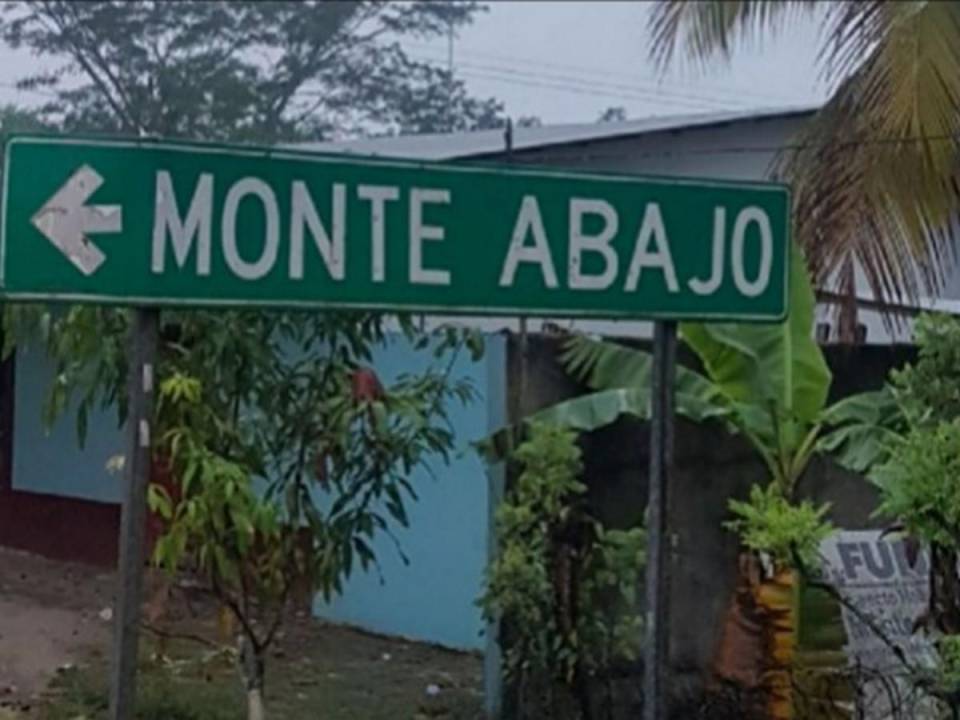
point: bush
(564, 587)
(769, 523)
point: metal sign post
(144, 332)
(657, 630)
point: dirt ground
(49, 616)
(55, 628)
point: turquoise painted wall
(52, 461)
(433, 598)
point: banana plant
(767, 383)
(770, 385)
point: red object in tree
(366, 385)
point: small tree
(227, 533)
(288, 400)
(254, 548)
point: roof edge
(706, 122)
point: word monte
(152, 223)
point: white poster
(886, 596)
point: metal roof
(451, 146)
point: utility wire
(567, 81)
(594, 71)
(594, 91)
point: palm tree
(875, 171)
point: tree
(15, 119)
(438, 103)
(874, 172)
(613, 114)
(243, 71)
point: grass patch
(331, 673)
(182, 690)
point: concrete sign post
(153, 224)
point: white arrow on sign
(65, 220)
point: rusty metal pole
(657, 630)
(144, 333)
(522, 335)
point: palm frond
(703, 30)
(875, 173)
(872, 202)
(875, 181)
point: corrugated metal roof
(450, 146)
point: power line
(622, 90)
(597, 71)
(597, 92)
(553, 86)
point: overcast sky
(567, 61)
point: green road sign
(157, 223)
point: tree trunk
(740, 652)
(944, 590)
(778, 599)
(758, 641)
(255, 704)
(251, 666)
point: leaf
(862, 430)
(599, 409)
(778, 369)
(705, 30)
(159, 501)
(606, 365)
(760, 363)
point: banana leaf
(599, 409)
(777, 367)
(862, 430)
